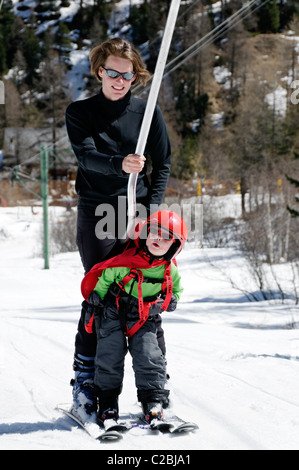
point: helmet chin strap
(150, 255)
(167, 256)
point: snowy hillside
(234, 364)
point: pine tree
(269, 17)
(140, 20)
(31, 51)
(63, 42)
(6, 34)
(47, 10)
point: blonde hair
(120, 48)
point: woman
(103, 131)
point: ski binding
(172, 425)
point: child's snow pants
(112, 346)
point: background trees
(228, 108)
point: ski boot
(108, 417)
(84, 399)
(107, 414)
(153, 412)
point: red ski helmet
(167, 222)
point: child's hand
(93, 310)
(172, 304)
(156, 308)
(95, 299)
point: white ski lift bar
(149, 110)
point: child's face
(158, 243)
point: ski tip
(110, 436)
(188, 427)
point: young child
(125, 294)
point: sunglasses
(114, 74)
(158, 231)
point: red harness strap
(167, 287)
(144, 307)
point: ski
(179, 426)
(112, 433)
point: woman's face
(116, 88)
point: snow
(222, 75)
(278, 100)
(290, 35)
(234, 364)
(80, 68)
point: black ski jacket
(102, 132)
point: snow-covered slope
(234, 365)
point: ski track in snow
(233, 364)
